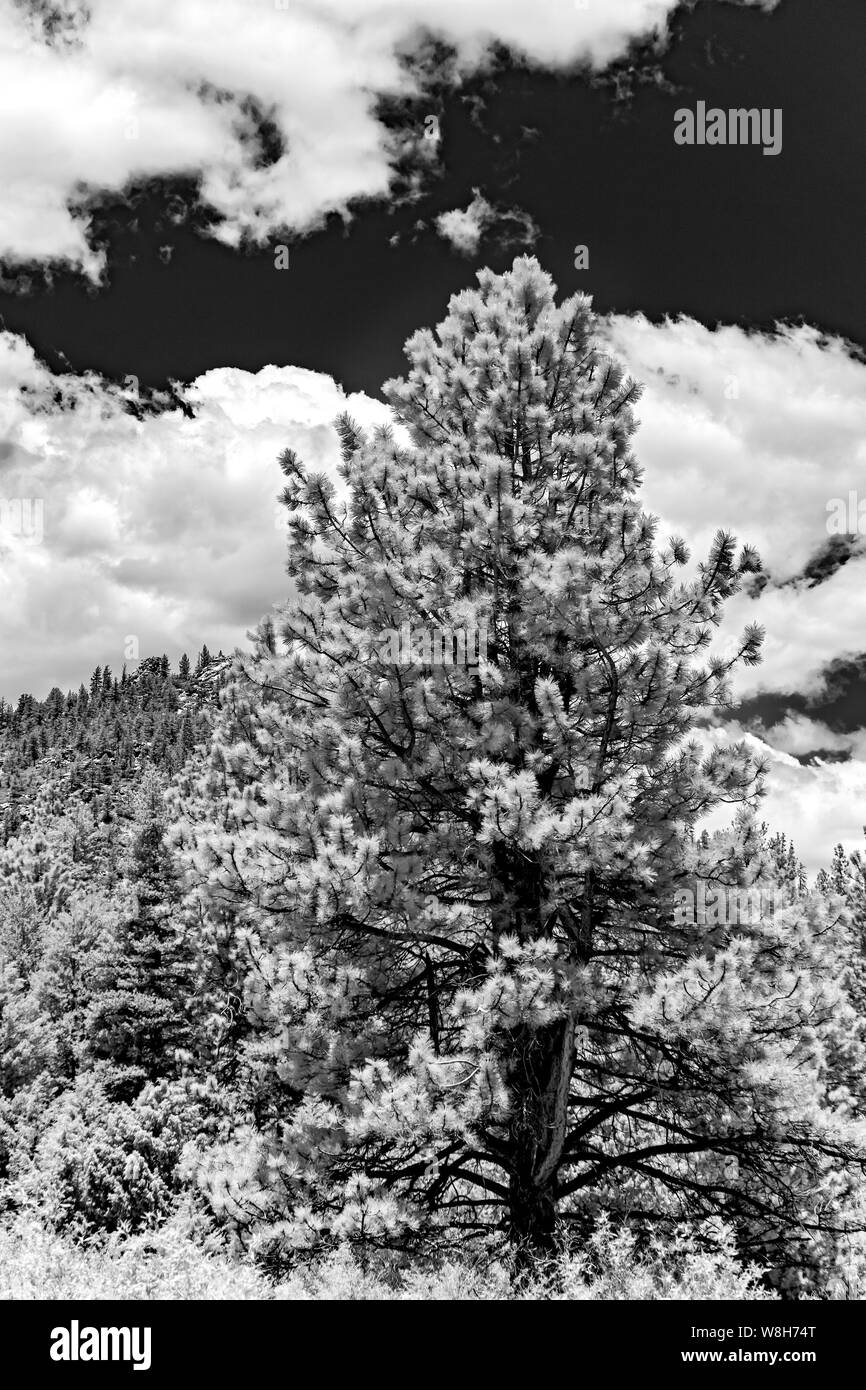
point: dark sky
(737, 237)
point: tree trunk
(538, 1078)
(539, 1062)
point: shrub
(109, 1165)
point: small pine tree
(186, 737)
(137, 1017)
(840, 871)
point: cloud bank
(757, 433)
(165, 529)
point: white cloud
(139, 90)
(799, 735)
(464, 227)
(817, 805)
(757, 433)
(166, 529)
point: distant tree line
(106, 730)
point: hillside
(93, 741)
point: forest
(336, 968)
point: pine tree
(55, 703)
(840, 871)
(844, 887)
(186, 737)
(787, 867)
(445, 890)
(183, 667)
(75, 947)
(138, 1014)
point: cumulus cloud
(186, 87)
(464, 227)
(165, 529)
(759, 433)
(801, 736)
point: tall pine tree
(446, 816)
